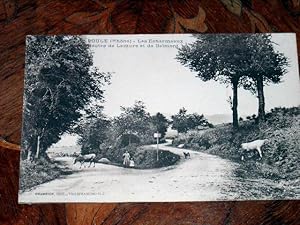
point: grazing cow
(91, 158)
(186, 155)
(254, 145)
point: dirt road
(202, 177)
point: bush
(115, 154)
(144, 157)
(37, 172)
(147, 158)
(126, 139)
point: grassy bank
(38, 172)
(145, 157)
(280, 154)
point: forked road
(202, 177)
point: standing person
(126, 160)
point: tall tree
(59, 82)
(133, 120)
(266, 66)
(179, 120)
(92, 128)
(220, 58)
(160, 122)
(93, 135)
(239, 60)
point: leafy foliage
(183, 122)
(60, 82)
(266, 63)
(94, 135)
(145, 158)
(160, 122)
(128, 139)
(267, 66)
(238, 60)
(132, 120)
(38, 172)
(218, 58)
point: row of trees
(240, 60)
(60, 82)
(133, 125)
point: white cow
(254, 145)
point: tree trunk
(235, 121)
(261, 99)
(37, 147)
(32, 148)
(29, 153)
(129, 139)
(43, 154)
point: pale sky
(152, 75)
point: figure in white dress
(126, 161)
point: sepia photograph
(160, 118)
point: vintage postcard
(160, 118)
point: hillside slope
(281, 153)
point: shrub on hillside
(146, 158)
(116, 154)
(37, 172)
(127, 139)
(282, 151)
(282, 117)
